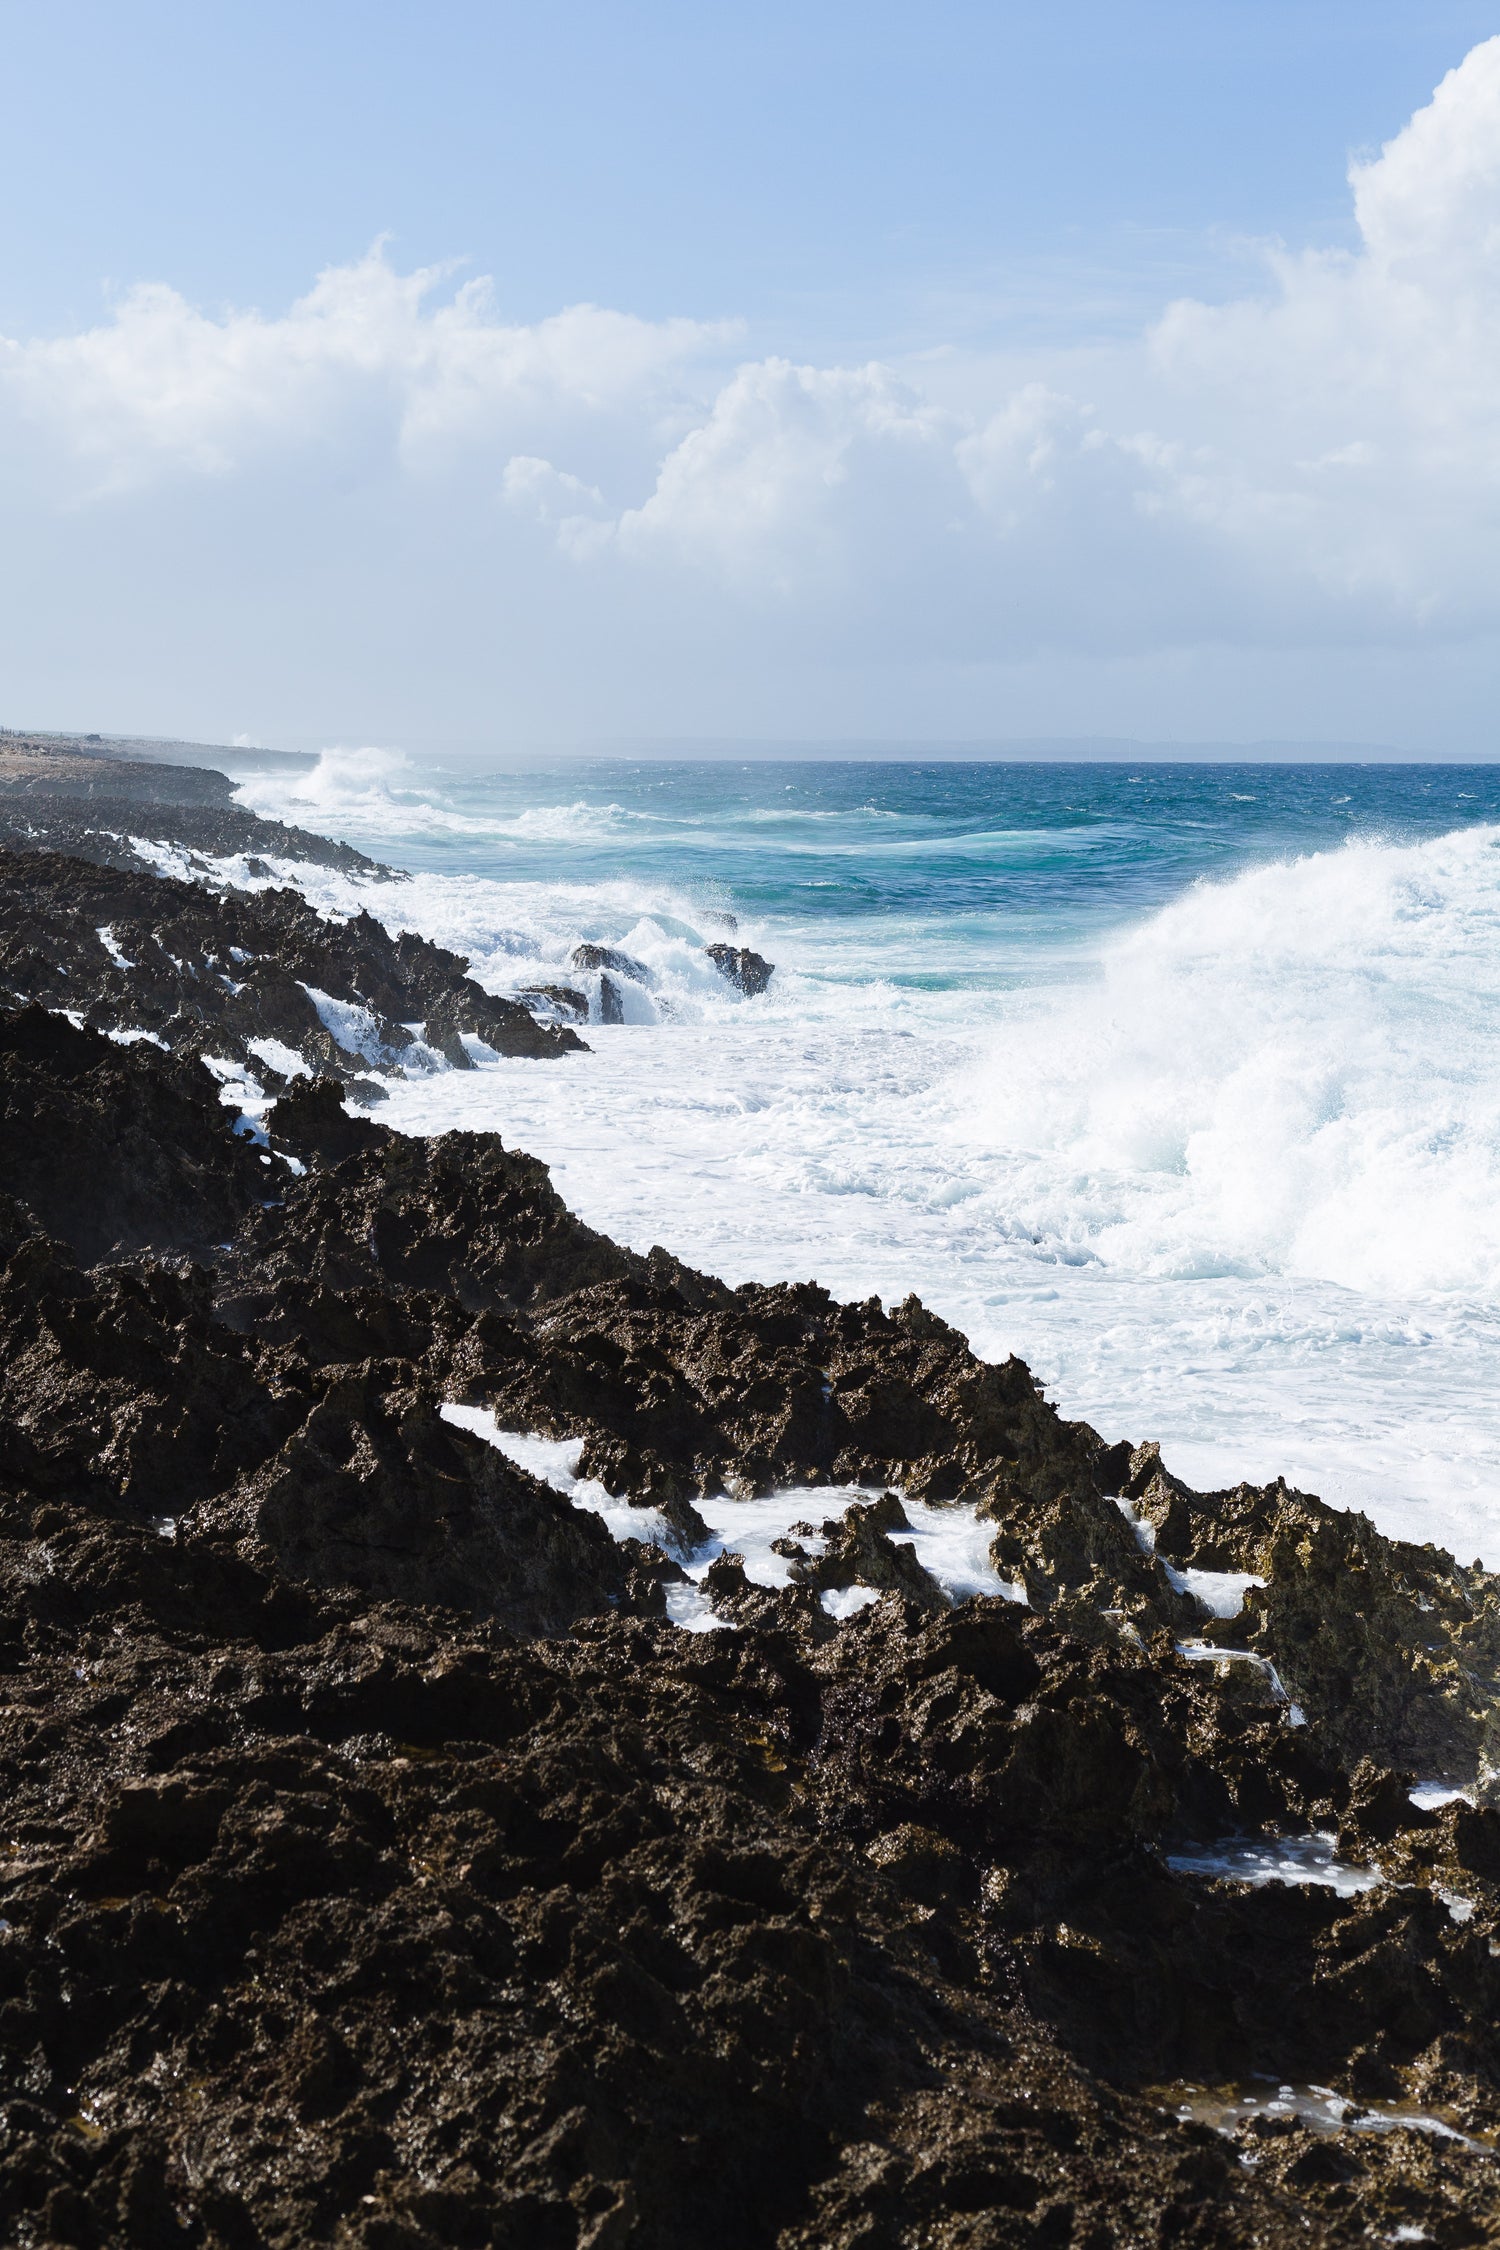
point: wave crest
(1296, 1071)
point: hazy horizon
(1055, 750)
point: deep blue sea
(1181, 1081)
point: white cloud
(790, 462)
(1315, 463)
(164, 387)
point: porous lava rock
(114, 1148)
(748, 972)
(255, 979)
(382, 1868)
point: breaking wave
(1294, 1072)
(1220, 1157)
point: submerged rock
(558, 1000)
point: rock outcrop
(252, 978)
(607, 957)
(382, 1867)
(69, 795)
(749, 972)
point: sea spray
(1185, 1086)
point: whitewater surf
(1184, 1083)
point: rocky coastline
(388, 1860)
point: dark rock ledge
(380, 1867)
(74, 794)
(212, 971)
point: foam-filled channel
(1279, 1859)
(1319, 2108)
(950, 1541)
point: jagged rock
(382, 1867)
(114, 1148)
(857, 1552)
(749, 972)
(311, 1121)
(230, 973)
(373, 1490)
(606, 957)
(559, 999)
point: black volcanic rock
(607, 957)
(561, 999)
(117, 1148)
(749, 972)
(381, 1868)
(311, 1121)
(374, 1490)
(213, 971)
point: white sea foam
(277, 1055)
(1325, 2111)
(1221, 1592)
(106, 937)
(949, 1540)
(843, 1602)
(1297, 1072)
(555, 1462)
(1282, 1859)
(1232, 1181)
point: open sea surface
(1182, 1082)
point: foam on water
(555, 1461)
(1322, 2111)
(1220, 1158)
(1283, 1859)
(1221, 1592)
(949, 1540)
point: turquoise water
(1182, 1082)
(956, 872)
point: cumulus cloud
(164, 387)
(1318, 460)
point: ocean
(1181, 1082)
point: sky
(467, 376)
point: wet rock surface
(749, 972)
(214, 972)
(382, 1867)
(608, 957)
(563, 1002)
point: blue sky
(437, 517)
(847, 178)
